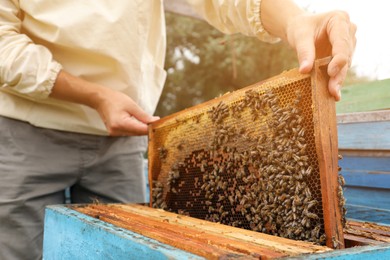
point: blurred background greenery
(202, 63)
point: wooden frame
(198, 237)
(325, 130)
(325, 135)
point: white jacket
(119, 44)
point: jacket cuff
(44, 89)
(259, 30)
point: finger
(306, 53)
(342, 41)
(141, 115)
(129, 127)
(336, 82)
(337, 63)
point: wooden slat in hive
(262, 158)
(365, 233)
(200, 237)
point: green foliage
(203, 63)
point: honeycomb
(247, 159)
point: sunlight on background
(372, 54)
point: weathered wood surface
(366, 233)
(100, 234)
(364, 142)
(69, 234)
(359, 117)
(325, 131)
(364, 133)
(200, 237)
(365, 136)
(365, 171)
(356, 253)
(368, 204)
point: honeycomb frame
(263, 158)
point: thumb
(142, 116)
(306, 54)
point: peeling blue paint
(69, 234)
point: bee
(341, 180)
(311, 204)
(282, 197)
(231, 200)
(271, 198)
(304, 221)
(298, 176)
(221, 197)
(300, 163)
(270, 187)
(298, 231)
(253, 210)
(301, 132)
(163, 205)
(238, 194)
(296, 157)
(335, 242)
(243, 200)
(297, 201)
(304, 158)
(315, 232)
(158, 195)
(245, 179)
(342, 202)
(322, 239)
(297, 188)
(312, 215)
(308, 171)
(176, 174)
(307, 192)
(182, 212)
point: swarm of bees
(262, 182)
(340, 194)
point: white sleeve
(234, 16)
(25, 68)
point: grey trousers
(37, 165)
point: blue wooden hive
(364, 142)
(120, 231)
